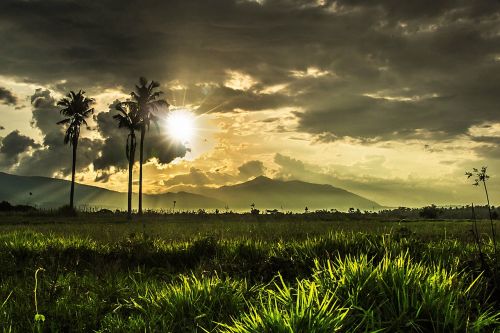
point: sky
(392, 100)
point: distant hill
(266, 193)
(51, 192)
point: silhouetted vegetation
(489, 263)
(145, 100)
(129, 118)
(7, 207)
(76, 108)
(430, 212)
(400, 214)
(137, 113)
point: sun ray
(181, 124)
(214, 108)
(184, 98)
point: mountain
(293, 195)
(264, 192)
(50, 193)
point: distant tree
(76, 107)
(253, 210)
(146, 99)
(5, 206)
(129, 119)
(429, 212)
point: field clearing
(242, 273)
(264, 227)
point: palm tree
(146, 100)
(76, 108)
(129, 119)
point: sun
(181, 125)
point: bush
(66, 210)
(430, 212)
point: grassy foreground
(304, 277)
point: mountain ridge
(264, 192)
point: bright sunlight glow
(181, 125)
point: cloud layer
(7, 97)
(388, 72)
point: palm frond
(76, 107)
(64, 121)
(143, 81)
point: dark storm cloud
(490, 148)
(223, 98)
(433, 67)
(15, 143)
(113, 148)
(54, 156)
(7, 97)
(12, 145)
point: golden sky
(392, 102)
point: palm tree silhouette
(129, 119)
(146, 100)
(75, 107)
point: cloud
(103, 152)
(289, 167)
(156, 145)
(195, 177)
(356, 69)
(199, 178)
(366, 179)
(251, 169)
(13, 145)
(113, 149)
(7, 97)
(53, 156)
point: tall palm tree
(146, 99)
(76, 107)
(129, 119)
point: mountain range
(264, 192)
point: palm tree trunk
(141, 157)
(129, 198)
(130, 172)
(73, 171)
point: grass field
(242, 274)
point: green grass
(101, 274)
(265, 227)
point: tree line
(134, 115)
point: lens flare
(181, 125)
